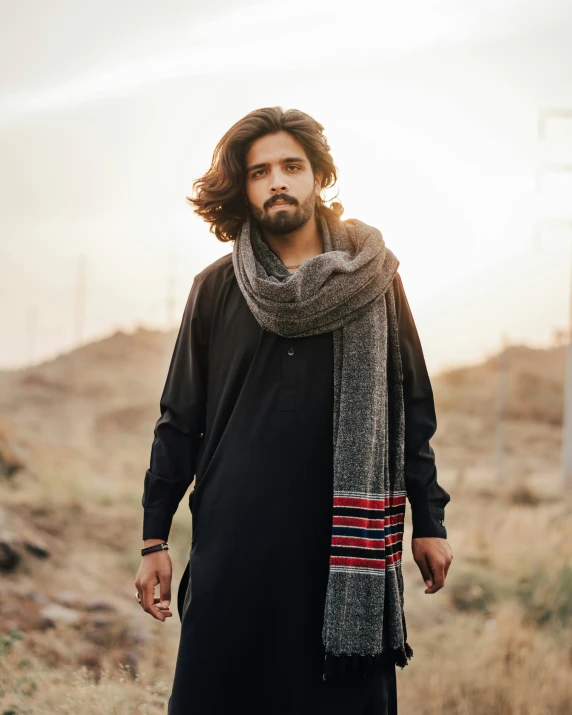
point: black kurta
(250, 413)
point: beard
(286, 221)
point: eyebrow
(288, 160)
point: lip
(281, 203)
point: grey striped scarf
(348, 289)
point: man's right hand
(155, 569)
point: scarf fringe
(336, 666)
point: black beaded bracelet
(155, 547)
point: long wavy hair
(220, 197)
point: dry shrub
(477, 589)
(548, 600)
(493, 667)
(523, 494)
(27, 686)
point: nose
(279, 184)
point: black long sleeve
(426, 496)
(178, 434)
(179, 430)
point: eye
(257, 173)
(293, 166)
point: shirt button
(291, 351)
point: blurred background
(451, 125)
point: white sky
(110, 110)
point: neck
(296, 247)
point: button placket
(287, 393)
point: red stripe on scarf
(368, 523)
(358, 541)
(364, 503)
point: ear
(318, 177)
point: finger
(166, 611)
(437, 569)
(425, 571)
(447, 565)
(148, 598)
(157, 613)
(165, 589)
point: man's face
(280, 186)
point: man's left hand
(433, 555)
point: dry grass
(474, 666)
(27, 686)
(497, 640)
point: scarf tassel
(336, 666)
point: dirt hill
(96, 406)
(75, 436)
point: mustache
(280, 197)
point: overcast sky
(110, 110)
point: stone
(54, 615)
(10, 554)
(37, 548)
(99, 604)
(71, 599)
(37, 597)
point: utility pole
(32, 328)
(502, 399)
(171, 290)
(80, 300)
(544, 168)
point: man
(299, 397)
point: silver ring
(137, 596)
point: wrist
(152, 542)
(155, 548)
